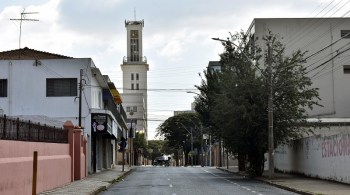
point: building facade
(326, 42)
(39, 83)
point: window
(134, 45)
(346, 69)
(345, 34)
(132, 86)
(99, 99)
(3, 87)
(61, 87)
(137, 76)
(137, 86)
(131, 109)
(132, 76)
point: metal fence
(15, 129)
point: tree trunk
(241, 162)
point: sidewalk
(92, 184)
(301, 184)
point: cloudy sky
(177, 36)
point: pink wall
(16, 165)
(58, 164)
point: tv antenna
(23, 18)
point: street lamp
(270, 102)
(130, 139)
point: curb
(285, 187)
(271, 183)
(118, 179)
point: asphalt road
(189, 180)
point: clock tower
(135, 69)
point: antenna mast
(135, 13)
(23, 18)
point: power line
(308, 28)
(329, 60)
(321, 50)
(154, 89)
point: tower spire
(135, 13)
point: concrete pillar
(68, 125)
(77, 153)
(85, 141)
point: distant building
(193, 104)
(214, 66)
(36, 83)
(135, 69)
(326, 41)
(183, 111)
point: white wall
(135, 99)
(311, 35)
(27, 87)
(326, 157)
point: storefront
(103, 141)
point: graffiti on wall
(336, 145)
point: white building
(326, 41)
(135, 69)
(39, 83)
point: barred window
(3, 87)
(61, 87)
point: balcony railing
(111, 106)
(131, 60)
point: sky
(176, 37)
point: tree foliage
(177, 129)
(234, 100)
(155, 148)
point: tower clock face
(134, 33)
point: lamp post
(130, 139)
(270, 102)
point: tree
(238, 100)
(205, 105)
(139, 143)
(177, 129)
(239, 104)
(155, 148)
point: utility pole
(220, 152)
(270, 116)
(191, 148)
(209, 150)
(80, 93)
(23, 18)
